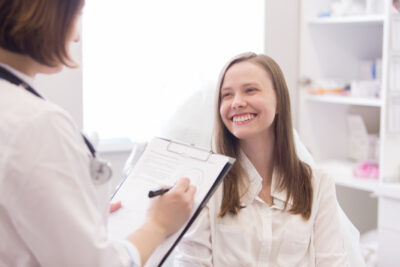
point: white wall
(65, 88)
(282, 41)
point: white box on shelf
(370, 69)
(361, 145)
(365, 88)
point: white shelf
(367, 19)
(390, 190)
(342, 172)
(373, 102)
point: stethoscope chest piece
(100, 170)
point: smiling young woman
(273, 209)
(275, 127)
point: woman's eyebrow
(251, 84)
(226, 88)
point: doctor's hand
(166, 214)
(169, 211)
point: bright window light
(142, 59)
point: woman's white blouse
(263, 235)
(51, 213)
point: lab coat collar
(253, 185)
(27, 79)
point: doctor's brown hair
(293, 175)
(39, 28)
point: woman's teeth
(243, 118)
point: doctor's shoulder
(27, 117)
(24, 107)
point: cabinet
(335, 50)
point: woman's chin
(242, 134)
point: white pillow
(193, 121)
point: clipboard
(161, 162)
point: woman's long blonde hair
(293, 175)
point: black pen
(158, 192)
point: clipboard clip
(189, 150)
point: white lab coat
(51, 213)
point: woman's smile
(243, 118)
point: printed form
(162, 163)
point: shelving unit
(347, 100)
(349, 19)
(342, 171)
(333, 48)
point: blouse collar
(253, 184)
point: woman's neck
(261, 154)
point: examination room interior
(150, 70)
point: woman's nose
(238, 101)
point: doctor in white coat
(53, 188)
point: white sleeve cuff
(132, 253)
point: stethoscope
(100, 170)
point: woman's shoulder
(321, 179)
(320, 173)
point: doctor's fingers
(189, 194)
(182, 185)
(185, 189)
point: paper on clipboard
(162, 163)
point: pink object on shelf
(366, 169)
(345, 93)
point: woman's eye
(225, 95)
(249, 90)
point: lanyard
(10, 77)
